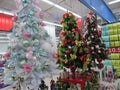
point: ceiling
(53, 14)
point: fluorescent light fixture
(5, 12)
(60, 7)
(50, 23)
(113, 2)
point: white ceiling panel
(52, 13)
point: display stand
(80, 81)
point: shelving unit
(111, 38)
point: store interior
(59, 45)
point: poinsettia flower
(7, 55)
(27, 68)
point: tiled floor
(7, 88)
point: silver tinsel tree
(30, 53)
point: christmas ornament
(69, 47)
(100, 65)
(99, 60)
(67, 51)
(26, 34)
(55, 56)
(38, 69)
(15, 18)
(7, 55)
(26, 43)
(80, 51)
(29, 54)
(27, 68)
(97, 46)
(92, 48)
(22, 62)
(65, 55)
(79, 22)
(36, 42)
(72, 68)
(99, 51)
(65, 61)
(61, 65)
(92, 36)
(73, 56)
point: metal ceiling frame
(101, 9)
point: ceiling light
(60, 7)
(46, 22)
(50, 23)
(5, 12)
(113, 2)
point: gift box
(77, 74)
(118, 26)
(119, 36)
(105, 33)
(107, 44)
(107, 63)
(118, 73)
(115, 56)
(117, 43)
(105, 38)
(112, 44)
(111, 38)
(118, 31)
(115, 37)
(111, 32)
(115, 63)
(118, 69)
(114, 27)
(64, 75)
(115, 32)
(72, 75)
(105, 28)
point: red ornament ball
(67, 51)
(99, 60)
(80, 51)
(100, 65)
(73, 42)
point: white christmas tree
(30, 56)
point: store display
(98, 51)
(112, 43)
(88, 52)
(72, 52)
(29, 58)
(84, 55)
(109, 79)
(2, 62)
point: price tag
(114, 50)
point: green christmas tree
(30, 54)
(72, 53)
(93, 39)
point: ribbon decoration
(105, 85)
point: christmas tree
(30, 54)
(93, 39)
(72, 53)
